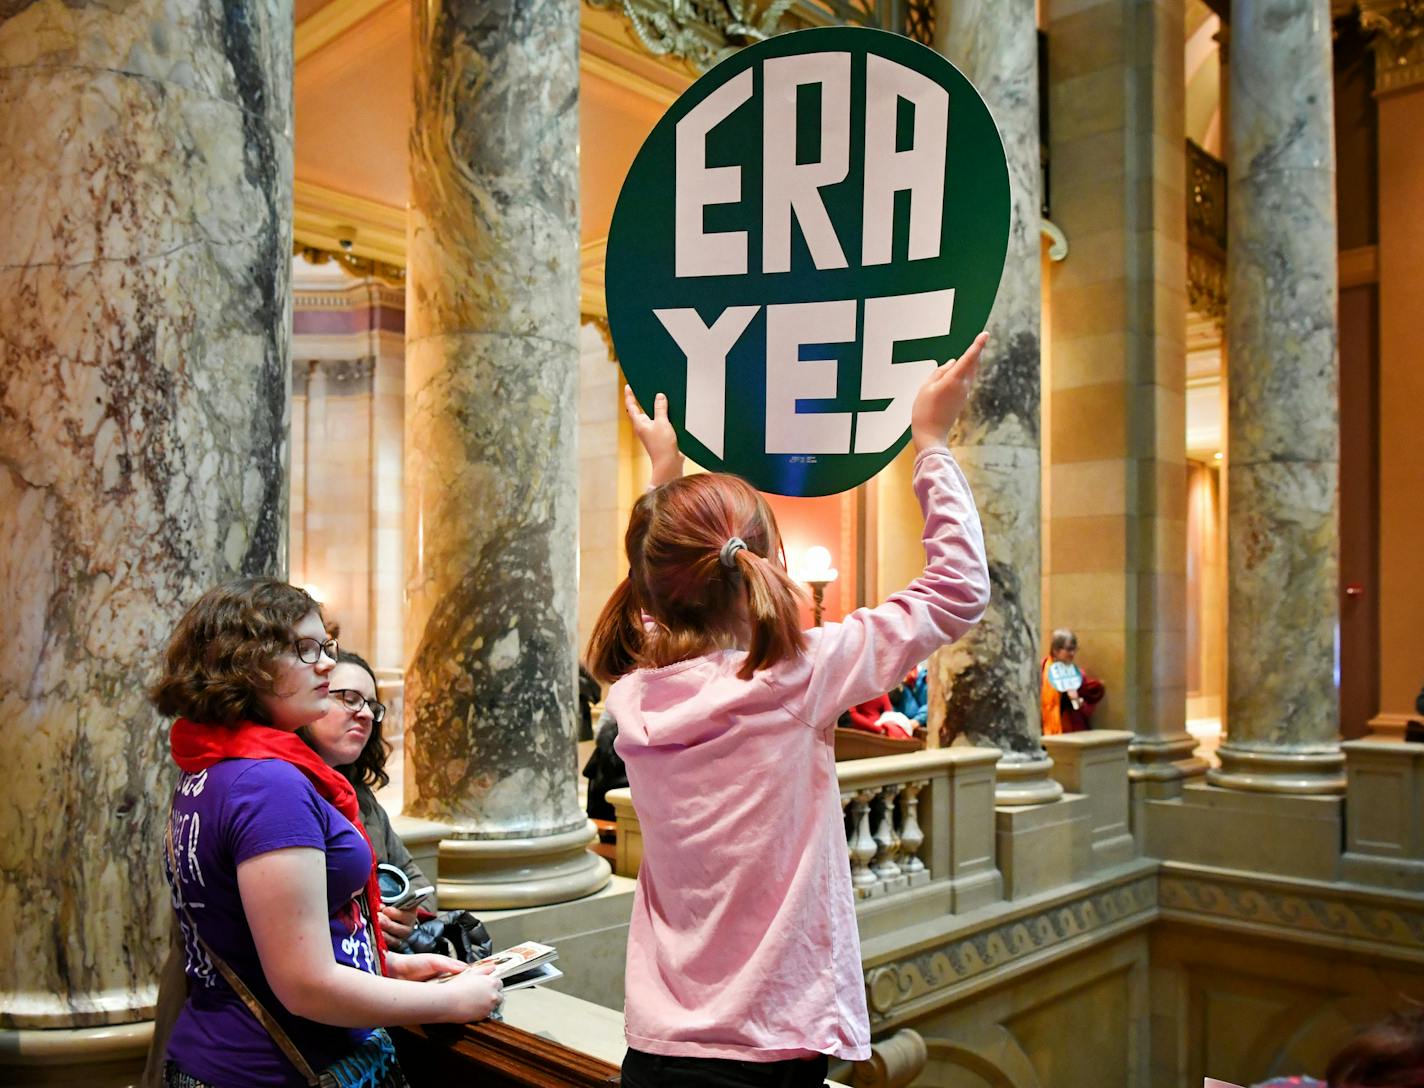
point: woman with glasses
(271, 872)
(348, 737)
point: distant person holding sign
(1067, 697)
(743, 955)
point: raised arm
(656, 435)
(871, 650)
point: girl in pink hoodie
(743, 955)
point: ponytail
(700, 554)
(773, 611)
(617, 639)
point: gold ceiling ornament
(1398, 42)
(600, 322)
(700, 32)
(360, 267)
(703, 32)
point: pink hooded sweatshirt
(743, 940)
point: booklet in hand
(527, 964)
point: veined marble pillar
(988, 680)
(1282, 698)
(491, 472)
(145, 177)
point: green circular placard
(812, 227)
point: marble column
(491, 471)
(145, 177)
(987, 682)
(1282, 469)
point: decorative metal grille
(1206, 199)
(1206, 233)
(919, 20)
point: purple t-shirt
(235, 810)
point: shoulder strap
(274, 1029)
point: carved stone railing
(912, 821)
(1206, 232)
(883, 833)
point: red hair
(1387, 1055)
(674, 543)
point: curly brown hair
(222, 655)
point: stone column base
(103, 1057)
(495, 874)
(1024, 780)
(1279, 771)
(1163, 764)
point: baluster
(912, 836)
(887, 843)
(862, 846)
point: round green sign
(813, 227)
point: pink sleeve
(870, 651)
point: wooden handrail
(503, 1056)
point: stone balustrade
(884, 838)
(912, 820)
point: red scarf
(197, 747)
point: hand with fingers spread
(943, 396)
(656, 435)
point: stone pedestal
(145, 177)
(1044, 846)
(1095, 764)
(984, 688)
(491, 477)
(1248, 831)
(1282, 718)
(1384, 814)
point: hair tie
(728, 554)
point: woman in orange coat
(1067, 698)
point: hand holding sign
(937, 405)
(656, 435)
(943, 396)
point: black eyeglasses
(309, 650)
(353, 701)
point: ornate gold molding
(338, 222)
(360, 267)
(1398, 29)
(591, 262)
(601, 324)
(702, 32)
